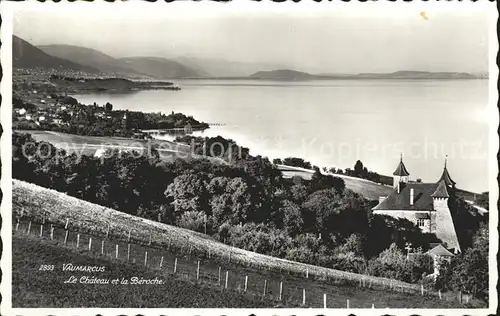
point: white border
(184, 9)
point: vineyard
(103, 234)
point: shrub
(353, 244)
(393, 264)
(193, 220)
(467, 272)
(349, 262)
(260, 238)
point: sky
(328, 42)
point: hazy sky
(314, 42)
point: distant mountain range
(90, 60)
(287, 74)
(159, 67)
(25, 55)
(88, 57)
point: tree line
(247, 204)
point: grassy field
(370, 190)
(37, 204)
(88, 145)
(34, 288)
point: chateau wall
(430, 224)
(445, 229)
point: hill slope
(25, 55)
(41, 289)
(88, 57)
(368, 189)
(159, 67)
(35, 203)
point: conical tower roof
(401, 169)
(441, 191)
(445, 176)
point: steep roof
(446, 178)
(422, 197)
(401, 170)
(439, 250)
(441, 191)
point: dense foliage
(246, 203)
(294, 162)
(217, 147)
(468, 272)
(483, 200)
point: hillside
(36, 204)
(25, 55)
(38, 289)
(282, 74)
(159, 67)
(368, 189)
(88, 57)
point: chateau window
(420, 222)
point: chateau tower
(445, 176)
(401, 174)
(445, 229)
(427, 205)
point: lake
(336, 122)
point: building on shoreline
(424, 204)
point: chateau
(425, 204)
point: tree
(230, 201)
(354, 244)
(298, 193)
(468, 271)
(108, 106)
(187, 193)
(260, 238)
(308, 248)
(68, 100)
(297, 162)
(292, 217)
(321, 182)
(358, 168)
